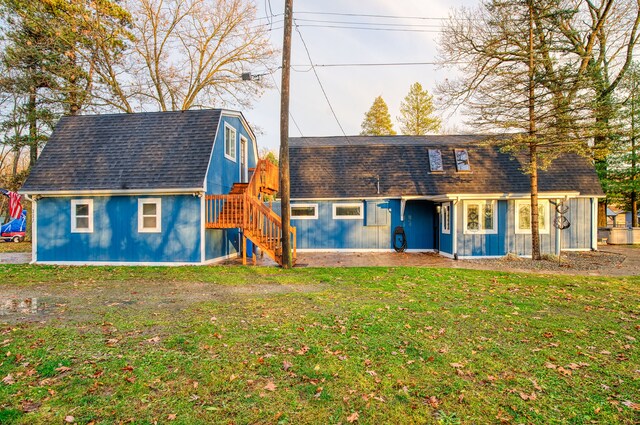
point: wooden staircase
(244, 208)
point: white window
(523, 216)
(230, 137)
(445, 216)
(348, 211)
(149, 215)
(304, 211)
(82, 215)
(480, 217)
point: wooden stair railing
(244, 208)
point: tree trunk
(33, 127)
(284, 136)
(533, 153)
(535, 230)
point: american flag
(15, 207)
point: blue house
(456, 195)
(149, 188)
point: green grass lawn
(15, 247)
(363, 345)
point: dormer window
(462, 160)
(435, 160)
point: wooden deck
(244, 208)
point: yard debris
(456, 365)
(270, 386)
(69, 419)
(631, 405)
(353, 417)
(8, 380)
(526, 396)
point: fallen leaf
(433, 401)
(63, 369)
(565, 372)
(456, 365)
(8, 380)
(128, 368)
(30, 406)
(69, 419)
(172, 417)
(270, 386)
(353, 417)
(154, 340)
(631, 405)
(286, 365)
(526, 397)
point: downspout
(454, 229)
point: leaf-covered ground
(15, 247)
(361, 345)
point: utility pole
(284, 136)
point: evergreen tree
(416, 113)
(622, 180)
(377, 121)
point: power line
(433, 30)
(319, 82)
(430, 18)
(324, 21)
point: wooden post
(284, 134)
(244, 250)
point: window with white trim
(445, 216)
(82, 215)
(230, 136)
(480, 217)
(352, 211)
(523, 216)
(304, 211)
(149, 215)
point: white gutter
(106, 192)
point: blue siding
(115, 234)
(578, 236)
(520, 244)
(223, 172)
(482, 244)
(327, 233)
(420, 221)
(221, 243)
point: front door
(244, 165)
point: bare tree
(186, 54)
(519, 77)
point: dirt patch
(73, 301)
(567, 262)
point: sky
(350, 90)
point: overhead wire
(319, 81)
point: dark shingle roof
(155, 150)
(336, 167)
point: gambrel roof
(353, 166)
(115, 152)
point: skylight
(462, 160)
(435, 160)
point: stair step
(238, 188)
